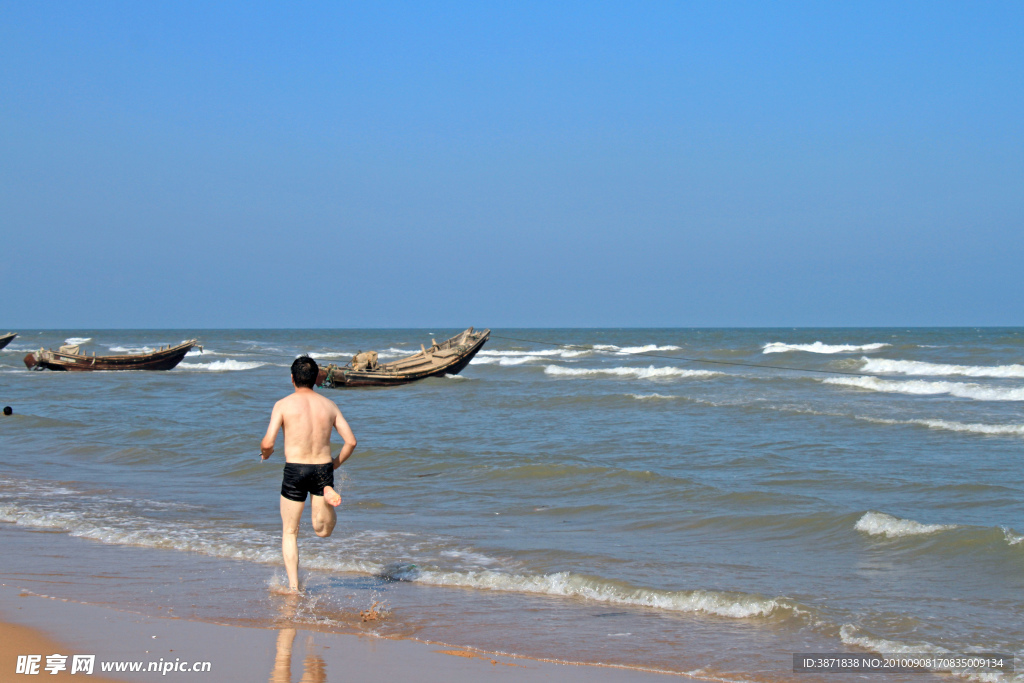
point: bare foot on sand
(332, 497)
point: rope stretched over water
(691, 360)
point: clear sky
(500, 164)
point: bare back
(307, 419)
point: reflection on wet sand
(314, 668)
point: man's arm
(276, 420)
(350, 439)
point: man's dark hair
(8, 410)
(304, 371)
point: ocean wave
(1011, 537)
(78, 340)
(560, 353)
(637, 373)
(133, 349)
(926, 388)
(503, 360)
(222, 365)
(881, 524)
(854, 636)
(256, 546)
(626, 350)
(649, 397)
(914, 367)
(647, 348)
(568, 584)
(818, 347)
(330, 354)
(948, 425)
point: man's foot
(332, 497)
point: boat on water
(447, 358)
(5, 339)
(70, 357)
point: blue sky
(197, 165)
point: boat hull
(334, 377)
(165, 359)
(6, 339)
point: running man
(307, 419)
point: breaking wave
(472, 567)
(914, 367)
(818, 347)
(927, 388)
(503, 360)
(137, 349)
(330, 354)
(560, 353)
(1011, 537)
(950, 426)
(78, 340)
(626, 350)
(651, 397)
(568, 584)
(222, 365)
(637, 373)
(881, 524)
(853, 636)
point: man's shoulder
(328, 403)
(287, 401)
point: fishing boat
(70, 357)
(447, 358)
(5, 339)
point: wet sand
(31, 624)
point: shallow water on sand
(584, 503)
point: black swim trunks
(301, 479)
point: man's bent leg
(291, 515)
(324, 517)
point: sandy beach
(31, 624)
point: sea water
(592, 495)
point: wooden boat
(447, 358)
(5, 339)
(70, 357)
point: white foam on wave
(568, 584)
(502, 360)
(881, 524)
(559, 353)
(915, 367)
(929, 388)
(951, 426)
(330, 354)
(78, 340)
(626, 350)
(222, 365)
(818, 347)
(647, 348)
(853, 636)
(1011, 537)
(134, 349)
(652, 397)
(637, 373)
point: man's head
(304, 372)
(8, 410)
